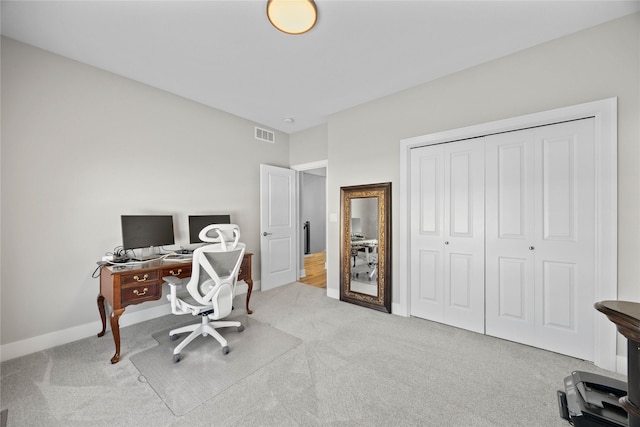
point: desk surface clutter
(129, 284)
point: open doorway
(312, 180)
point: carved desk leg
(115, 329)
(103, 315)
(626, 316)
(632, 399)
(250, 288)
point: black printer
(592, 400)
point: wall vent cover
(265, 135)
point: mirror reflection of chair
(373, 262)
(365, 258)
(211, 287)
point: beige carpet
(204, 371)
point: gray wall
(308, 146)
(314, 208)
(80, 147)
(598, 63)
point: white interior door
(277, 226)
(565, 267)
(540, 202)
(427, 232)
(447, 230)
(510, 231)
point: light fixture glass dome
(292, 16)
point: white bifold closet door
(447, 234)
(503, 235)
(540, 237)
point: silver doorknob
(265, 234)
(446, 243)
(531, 248)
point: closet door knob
(446, 243)
(531, 248)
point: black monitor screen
(198, 222)
(142, 231)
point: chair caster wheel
(177, 358)
(173, 337)
(240, 328)
(225, 349)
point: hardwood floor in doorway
(316, 275)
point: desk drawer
(141, 292)
(180, 272)
(140, 277)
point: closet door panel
(511, 190)
(509, 235)
(427, 235)
(460, 194)
(460, 280)
(512, 288)
(558, 289)
(447, 234)
(464, 235)
(565, 238)
(429, 278)
(559, 188)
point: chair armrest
(174, 283)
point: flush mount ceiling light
(292, 16)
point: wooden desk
(128, 285)
(626, 316)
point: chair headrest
(226, 234)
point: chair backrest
(227, 235)
(214, 271)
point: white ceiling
(225, 54)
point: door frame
(605, 114)
(301, 168)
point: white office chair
(211, 286)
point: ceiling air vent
(265, 135)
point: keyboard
(179, 257)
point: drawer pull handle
(138, 293)
(137, 279)
(173, 273)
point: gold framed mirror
(365, 245)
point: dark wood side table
(122, 286)
(626, 316)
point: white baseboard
(52, 339)
(302, 273)
(333, 293)
(398, 310)
(42, 342)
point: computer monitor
(143, 231)
(198, 222)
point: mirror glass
(364, 245)
(365, 277)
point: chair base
(206, 327)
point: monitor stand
(150, 254)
